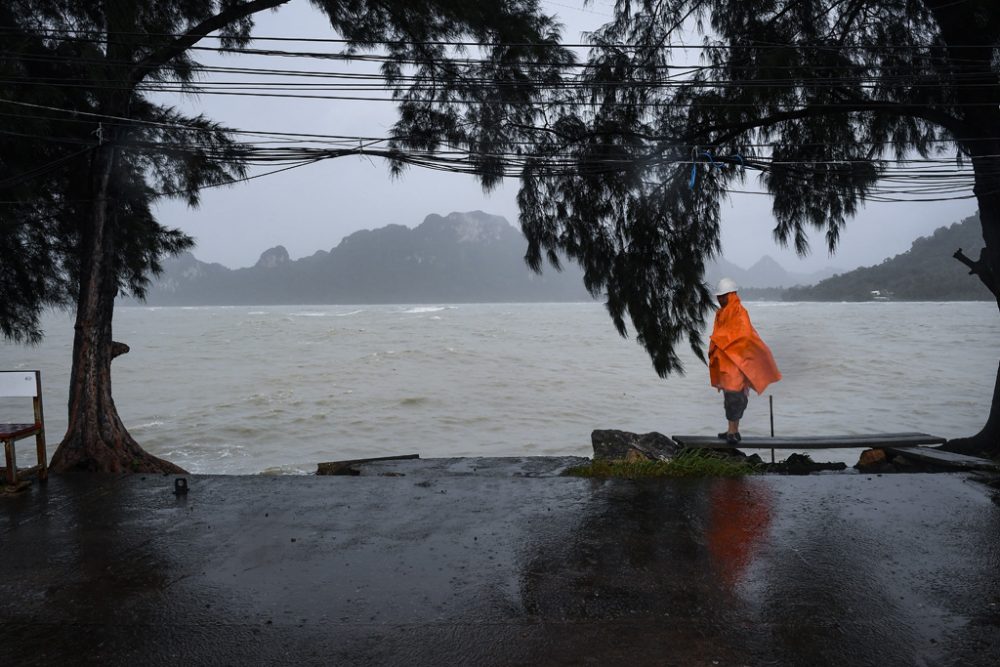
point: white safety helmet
(726, 285)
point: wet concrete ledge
(478, 466)
(469, 566)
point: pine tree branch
(964, 259)
(848, 19)
(162, 56)
(733, 130)
(979, 268)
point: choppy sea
(237, 390)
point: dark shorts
(736, 404)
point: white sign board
(18, 383)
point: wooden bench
(26, 384)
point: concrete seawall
(465, 563)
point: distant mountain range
(458, 258)
(925, 272)
(765, 273)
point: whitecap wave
(310, 313)
(353, 312)
(210, 457)
(424, 309)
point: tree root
(123, 456)
(981, 445)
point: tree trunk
(96, 440)
(987, 441)
(987, 269)
(970, 61)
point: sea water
(277, 389)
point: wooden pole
(770, 401)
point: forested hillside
(925, 272)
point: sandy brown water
(252, 389)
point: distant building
(881, 295)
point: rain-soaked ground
(486, 564)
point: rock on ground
(613, 445)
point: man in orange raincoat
(738, 360)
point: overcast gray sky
(312, 208)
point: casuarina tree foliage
(84, 153)
(821, 98)
(623, 159)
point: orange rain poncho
(737, 357)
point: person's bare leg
(734, 426)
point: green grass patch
(689, 463)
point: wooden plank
(815, 441)
(945, 459)
(342, 467)
(18, 431)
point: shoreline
(242, 393)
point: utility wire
(753, 44)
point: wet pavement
(459, 564)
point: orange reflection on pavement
(739, 517)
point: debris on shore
(623, 446)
